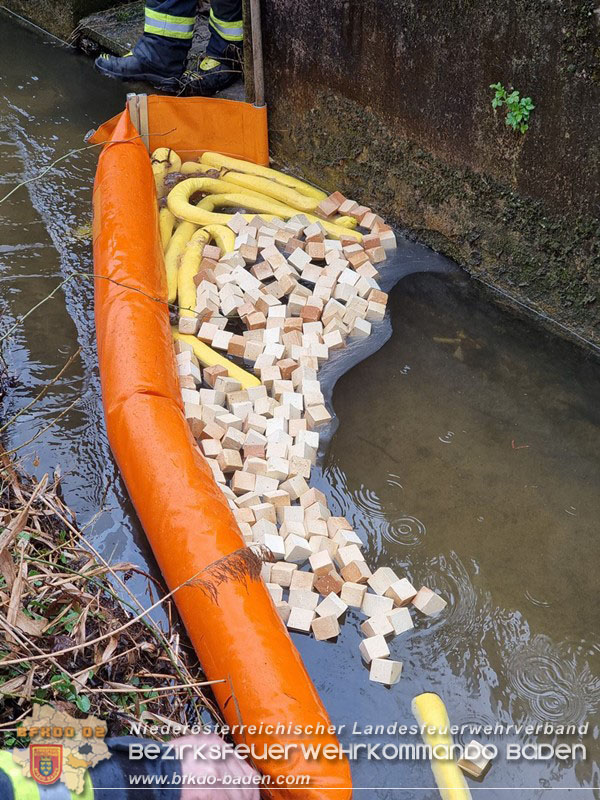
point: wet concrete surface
(465, 455)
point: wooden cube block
(384, 670)
(256, 320)
(401, 591)
(332, 604)
(282, 573)
(344, 538)
(265, 511)
(334, 524)
(321, 563)
(242, 482)
(326, 584)
(381, 580)
(374, 604)
(295, 486)
(234, 439)
(249, 253)
(275, 544)
(284, 610)
(316, 416)
(377, 625)
(188, 325)
(300, 619)
(263, 527)
(211, 447)
(275, 591)
(353, 593)
(388, 239)
(325, 627)
(265, 572)
(347, 206)
(228, 460)
(373, 647)
(302, 580)
(297, 549)
(315, 251)
(302, 598)
(401, 620)
(474, 761)
(327, 208)
(428, 602)
(345, 555)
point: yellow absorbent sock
(430, 711)
(183, 233)
(209, 358)
(238, 165)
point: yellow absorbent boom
(430, 712)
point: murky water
(466, 455)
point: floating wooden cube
(300, 619)
(284, 610)
(381, 580)
(332, 604)
(265, 572)
(428, 602)
(316, 416)
(374, 604)
(343, 538)
(234, 439)
(334, 524)
(353, 593)
(384, 670)
(275, 591)
(295, 486)
(321, 563)
(282, 573)
(242, 482)
(263, 527)
(474, 762)
(373, 647)
(303, 598)
(328, 583)
(377, 625)
(401, 620)
(401, 591)
(229, 460)
(302, 580)
(275, 544)
(345, 555)
(297, 549)
(325, 627)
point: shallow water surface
(466, 456)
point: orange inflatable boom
(240, 637)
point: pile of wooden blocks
(281, 304)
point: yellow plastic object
(190, 262)
(223, 236)
(164, 160)
(208, 358)
(178, 199)
(195, 168)
(166, 223)
(183, 233)
(238, 165)
(430, 711)
(270, 188)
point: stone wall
(389, 100)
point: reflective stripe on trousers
(230, 31)
(168, 25)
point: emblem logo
(46, 762)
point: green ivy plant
(518, 108)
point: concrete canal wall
(390, 101)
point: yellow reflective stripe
(24, 788)
(169, 17)
(170, 34)
(230, 31)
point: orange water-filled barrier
(240, 637)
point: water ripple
(554, 687)
(406, 530)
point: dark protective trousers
(169, 27)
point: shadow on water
(466, 455)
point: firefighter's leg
(159, 55)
